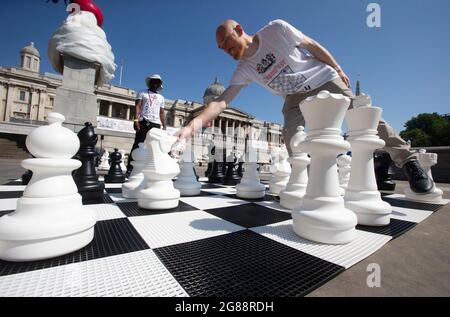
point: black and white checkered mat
(211, 245)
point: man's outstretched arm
(211, 112)
(322, 54)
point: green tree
(427, 129)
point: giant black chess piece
(115, 174)
(383, 164)
(231, 176)
(89, 187)
(26, 177)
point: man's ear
(239, 30)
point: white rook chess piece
(250, 186)
(426, 160)
(104, 162)
(344, 167)
(292, 195)
(159, 170)
(322, 217)
(186, 181)
(122, 163)
(50, 219)
(280, 169)
(136, 182)
(362, 195)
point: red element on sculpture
(89, 5)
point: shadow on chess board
(215, 244)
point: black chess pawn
(231, 176)
(383, 174)
(216, 174)
(209, 169)
(89, 187)
(240, 169)
(115, 174)
(26, 177)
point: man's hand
(185, 133)
(344, 78)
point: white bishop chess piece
(344, 167)
(159, 170)
(362, 195)
(250, 186)
(292, 195)
(136, 182)
(280, 169)
(50, 219)
(322, 216)
(426, 161)
(104, 162)
(186, 181)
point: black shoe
(419, 182)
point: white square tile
(345, 255)
(211, 202)
(12, 188)
(221, 191)
(174, 228)
(118, 198)
(8, 204)
(107, 211)
(412, 215)
(273, 205)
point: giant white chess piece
(362, 195)
(136, 182)
(322, 217)
(344, 167)
(50, 219)
(250, 186)
(104, 162)
(280, 169)
(426, 160)
(292, 195)
(186, 181)
(122, 163)
(159, 170)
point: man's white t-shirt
(151, 105)
(279, 65)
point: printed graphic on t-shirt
(287, 82)
(266, 63)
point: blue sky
(404, 65)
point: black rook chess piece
(89, 187)
(383, 163)
(115, 174)
(231, 176)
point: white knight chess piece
(104, 162)
(50, 219)
(136, 182)
(280, 169)
(159, 170)
(322, 216)
(344, 167)
(426, 161)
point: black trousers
(144, 127)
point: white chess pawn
(50, 219)
(250, 186)
(362, 195)
(104, 162)
(186, 181)
(280, 169)
(344, 167)
(136, 182)
(122, 163)
(322, 216)
(292, 195)
(426, 161)
(159, 170)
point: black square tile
(210, 186)
(5, 212)
(203, 193)
(104, 200)
(246, 264)
(250, 215)
(131, 209)
(114, 190)
(14, 183)
(395, 229)
(411, 204)
(112, 237)
(12, 194)
(265, 198)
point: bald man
(292, 65)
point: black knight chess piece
(383, 163)
(231, 176)
(26, 177)
(89, 187)
(115, 174)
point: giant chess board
(211, 245)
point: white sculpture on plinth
(280, 169)
(159, 170)
(50, 219)
(426, 161)
(136, 181)
(250, 186)
(104, 162)
(362, 195)
(344, 167)
(322, 217)
(186, 181)
(292, 195)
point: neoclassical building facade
(27, 97)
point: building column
(34, 104)
(220, 126)
(226, 127)
(41, 107)
(128, 112)
(98, 106)
(234, 128)
(9, 102)
(2, 96)
(110, 110)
